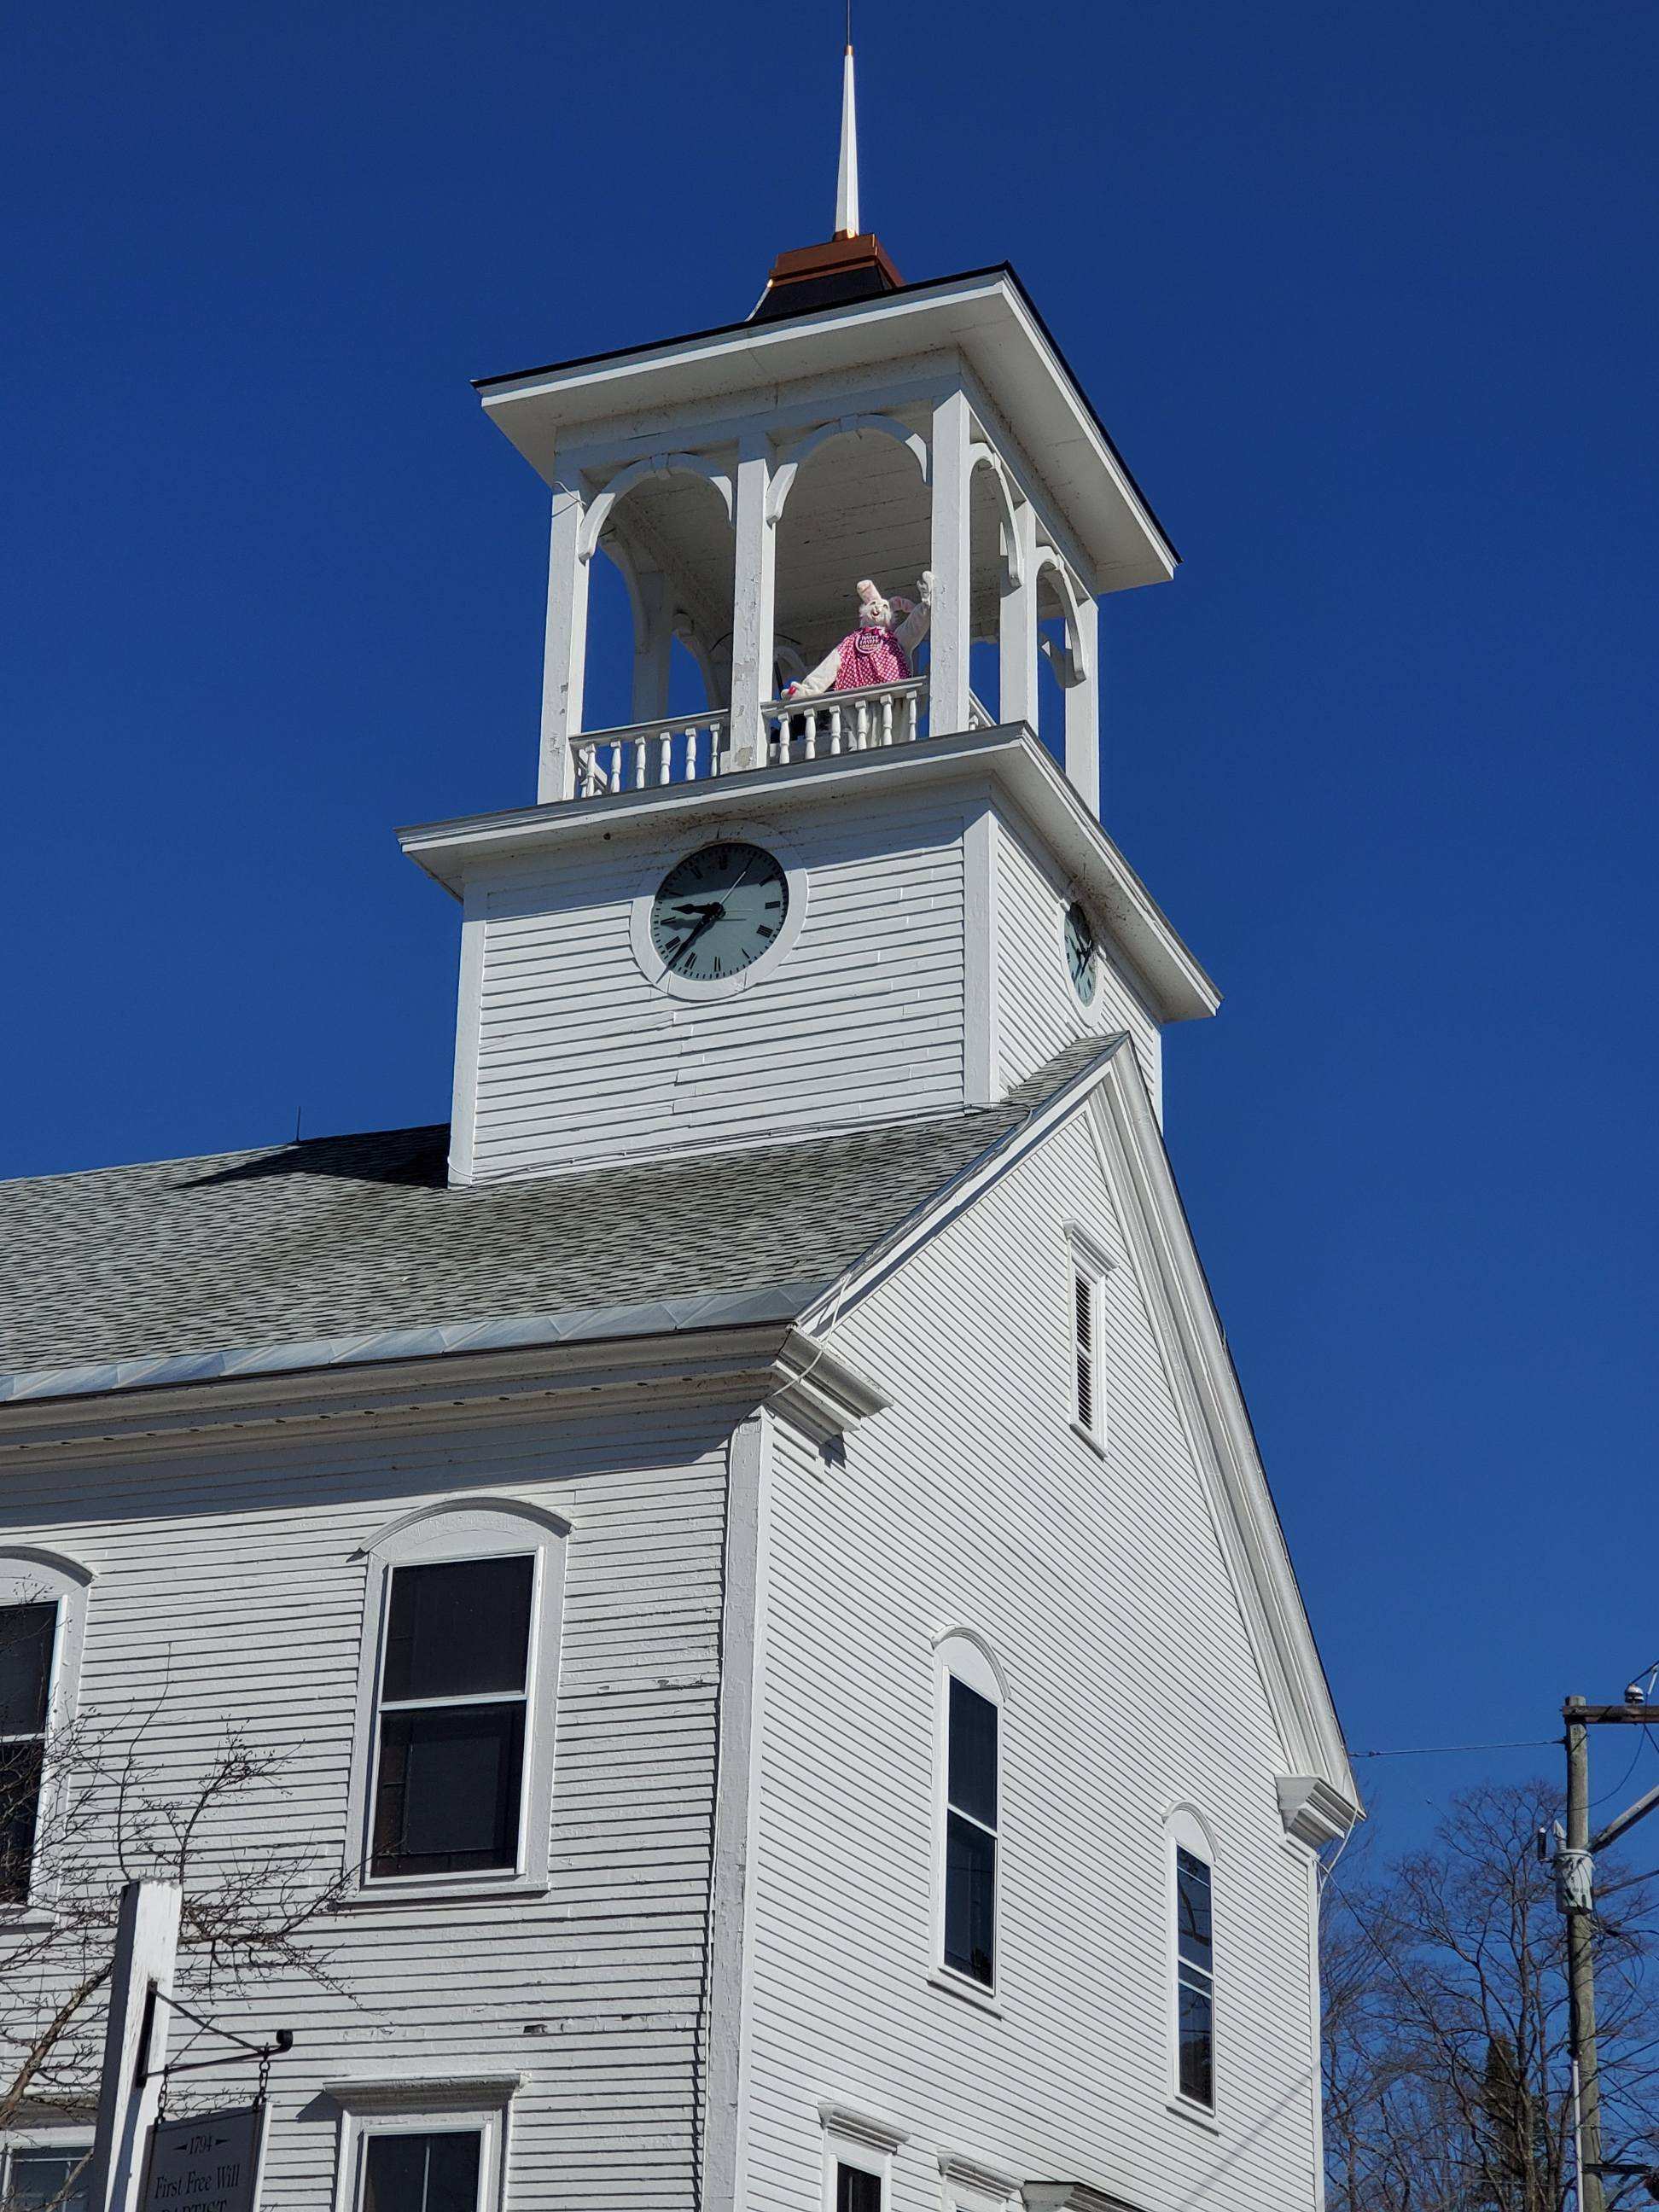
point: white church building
(748, 1542)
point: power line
(1434, 1750)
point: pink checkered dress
(871, 655)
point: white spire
(846, 182)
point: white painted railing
(645, 753)
(690, 748)
(844, 721)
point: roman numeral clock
(718, 910)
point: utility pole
(1575, 1893)
(1574, 1887)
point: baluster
(835, 729)
(691, 755)
(811, 733)
(887, 717)
(863, 724)
(639, 764)
(912, 705)
(584, 771)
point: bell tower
(951, 911)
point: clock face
(717, 910)
(1080, 953)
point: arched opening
(1059, 649)
(659, 608)
(993, 571)
(849, 502)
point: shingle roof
(342, 1234)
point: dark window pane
(19, 1802)
(971, 1899)
(25, 1639)
(39, 2177)
(1193, 1911)
(446, 1789)
(458, 1629)
(973, 1778)
(857, 2190)
(422, 2173)
(1197, 2044)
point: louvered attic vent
(1084, 1289)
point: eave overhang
(986, 316)
(1178, 988)
(673, 1346)
(1319, 1801)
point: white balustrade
(844, 721)
(646, 753)
(686, 750)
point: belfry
(879, 516)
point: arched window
(452, 1772)
(1191, 1877)
(42, 1620)
(969, 1811)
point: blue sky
(1367, 299)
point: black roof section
(298, 1244)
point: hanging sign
(209, 2163)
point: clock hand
(711, 914)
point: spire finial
(846, 182)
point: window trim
(32, 1576)
(1184, 1830)
(477, 1529)
(48, 2139)
(862, 2142)
(378, 2110)
(1087, 1264)
(961, 1654)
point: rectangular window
(449, 1769)
(27, 1634)
(1088, 1393)
(38, 2178)
(971, 1834)
(856, 2190)
(422, 2172)
(1194, 1982)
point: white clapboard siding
(582, 1060)
(229, 1585)
(1131, 1687)
(1038, 1012)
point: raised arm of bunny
(912, 630)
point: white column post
(948, 665)
(1082, 704)
(1017, 644)
(751, 601)
(653, 640)
(135, 2042)
(567, 648)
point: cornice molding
(1073, 2196)
(959, 2171)
(867, 2128)
(811, 1386)
(424, 2093)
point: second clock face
(718, 910)
(1080, 953)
